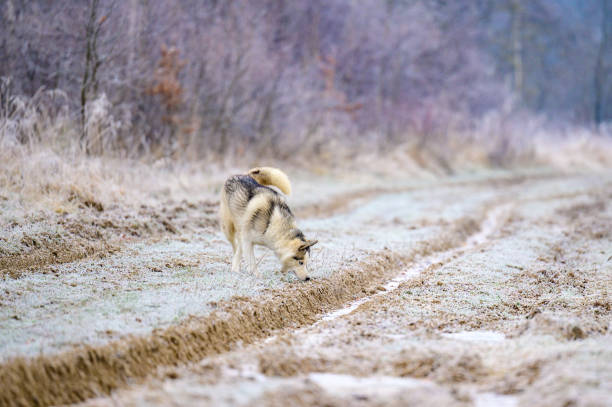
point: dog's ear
(306, 245)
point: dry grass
(581, 150)
(58, 180)
(48, 155)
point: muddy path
(459, 292)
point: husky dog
(252, 213)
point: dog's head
(297, 259)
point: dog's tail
(271, 176)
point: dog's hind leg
(248, 248)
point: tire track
(495, 218)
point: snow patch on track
(372, 386)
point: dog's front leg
(237, 258)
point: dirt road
(485, 289)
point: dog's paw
(255, 272)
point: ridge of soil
(95, 231)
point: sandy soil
(482, 289)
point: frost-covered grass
(489, 326)
(149, 285)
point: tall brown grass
(44, 159)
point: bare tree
(517, 45)
(600, 69)
(93, 61)
(275, 72)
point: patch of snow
(476, 336)
(494, 400)
(373, 386)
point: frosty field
(485, 288)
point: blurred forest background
(192, 78)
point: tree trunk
(90, 32)
(600, 74)
(517, 46)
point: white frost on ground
(484, 294)
(152, 285)
(494, 400)
(371, 386)
(491, 223)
